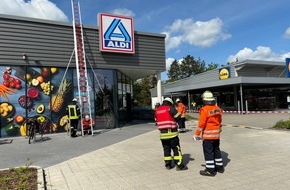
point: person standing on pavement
(182, 111)
(166, 117)
(209, 128)
(73, 112)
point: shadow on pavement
(225, 157)
(186, 158)
(6, 141)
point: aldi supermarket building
(39, 54)
(245, 87)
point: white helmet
(74, 100)
(87, 117)
(177, 100)
(207, 96)
(168, 100)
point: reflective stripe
(165, 127)
(218, 163)
(168, 135)
(167, 158)
(166, 122)
(218, 159)
(179, 157)
(211, 134)
(211, 131)
(176, 115)
(72, 112)
(209, 166)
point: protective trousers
(172, 144)
(74, 124)
(212, 155)
(181, 123)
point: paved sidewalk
(253, 159)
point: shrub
(282, 124)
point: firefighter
(88, 123)
(73, 112)
(166, 117)
(182, 111)
(209, 128)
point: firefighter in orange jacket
(209, 128)
(182, 111)
(166, 117)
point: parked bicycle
(37, 124)
(31, 125)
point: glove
(196, 138)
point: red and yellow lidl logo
(224, 73)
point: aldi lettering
(117, 44)
(116, 33)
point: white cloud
(42, 9)
(261, 53)
(199, 33)
(287, 33)
(169, 62)
(123, 12)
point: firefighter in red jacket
(166, 117)
(209, 128)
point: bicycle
(36, 125)
(31, 125)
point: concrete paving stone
(253, 159)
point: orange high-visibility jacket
(210, 120)
(181, 109)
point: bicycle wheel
(31, 134)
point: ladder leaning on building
(81, 66)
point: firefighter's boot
(207, 173)
(181, 167)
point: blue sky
(216, 31)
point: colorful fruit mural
(33, 92)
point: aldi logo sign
(287, 67)
(116, 33)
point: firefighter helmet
(207, 96)
(168, 100)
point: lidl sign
(116, 33)
(224, 73)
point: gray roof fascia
(258, 62)
(227, 82)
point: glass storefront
(125, 93)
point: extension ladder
(81, 67)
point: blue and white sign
(116, 33)
(287, 67)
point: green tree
(141, 90)
(212, 66)
(174, 71)
(188, 66)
